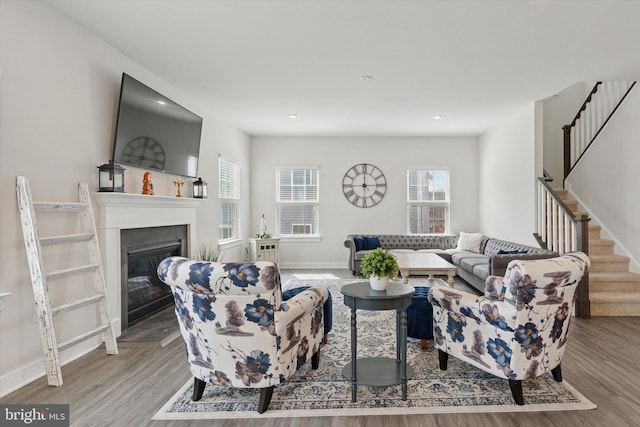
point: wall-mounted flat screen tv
(153, 132)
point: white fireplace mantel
(118, 211)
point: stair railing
(603, 100)
(559, 230)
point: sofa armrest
(498, 262)
(483, 310)
(350, 244)
(453, 300)
(295, 308)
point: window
(297, 202)
(229, 194)
(427, 201)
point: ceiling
(474, 62)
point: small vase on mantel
(378, 283)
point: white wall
(59, 92)
(605, 181)
(559, 110)
(338, 218)
(507, 177)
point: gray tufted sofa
(472, 267)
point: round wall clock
(364, 185)
(144, 151)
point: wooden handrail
(559, 229)
(585, 103)
(569, 163)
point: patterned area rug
(325, 392)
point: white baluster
(548, 215)
(554, 225)
(560, 230)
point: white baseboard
(26, 374)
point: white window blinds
(297, 202)
(298, 185)
(428, 185)
(229, 195)
(229, 180)
(427, 201)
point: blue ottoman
(327, 308)
(420, 316)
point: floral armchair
(236, 328)
(516, 330)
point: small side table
(265, 249)
(378, 371)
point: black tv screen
(153, 132)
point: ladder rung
(83, 337)
(70, 272)
(69, 238)
(59, 206)
(77, 304)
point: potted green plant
(208, 253)
(379, 266)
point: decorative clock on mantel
(364, 185)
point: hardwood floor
(601, 362)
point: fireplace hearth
(142, 249)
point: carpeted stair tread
(615, 303)
(617, 297)
(615, 281)
(561, 192)
(614, 276)
(600, 242)
(609, 258)
(600, 263)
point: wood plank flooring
(601, 362)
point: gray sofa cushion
(458, 257)
(470, 262)
(481, 270)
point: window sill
(302, 239)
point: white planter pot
(378, 283)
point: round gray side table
(378, 371)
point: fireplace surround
(123, 211)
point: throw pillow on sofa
(371, 243)
(366, 243)
(506, 252)
(469, 242)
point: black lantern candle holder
(111, 178)
(199, 189)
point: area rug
(462, 388)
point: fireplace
(125, 211)
(142, 249)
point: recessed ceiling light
(161, 102)
(366, 77)
(293, 116)
(437, 117)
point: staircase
(613, 290)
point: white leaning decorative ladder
(41, 281)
